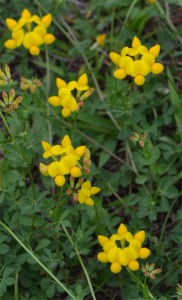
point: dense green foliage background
(141, 187)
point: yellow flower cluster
(29, 31)
(66, 99)
(136, 61)
(74, 162)
(118, 254)
(84, 193)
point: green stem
(129, 11)
(139, 282)
(56, 221)
(38, 261)
(164, 224)
(81, 262)
(116, 195)
(16, 287)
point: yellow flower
(66, 98)
(100, 39)
(24, 32)
(124, 255)
(136, 61)
(86, 192)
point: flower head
(136, 61)
(71, 95)
(123, 249)
(29, 31)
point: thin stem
(116, 195)
(55, 222)
(81, 262)
(139, 282)
(165, 222)
(16, 287)
(129, 11)
(38, 261)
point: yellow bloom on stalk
(100, 39)
(85, 193)
(151, 1)
(71, 95)
(29, 31)
(66, 161)
(125, 255)
(136, 61)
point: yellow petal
(43, 169)
(122, 229)
(125, 51)
(11, 23)
(139, 80)
(10, 44)
(54, 169)
(89, 202)
(80, 151)
(123, 259)
(66, 112)
(115, 267)
(34, 50)
(120, 74)
(157, 68)
(136, 42)
(155, 50)
(135, 243)
(109, 245)
(66, 141)
(102, 257)
(18, 36)
(46, 146)
(46, 20)
(102, 239)
(26, 14)
(114, 57)
(54, 100)
(56, 150)
(40, 30)
(49, 38)
(133, 265)
(148, 58)
(144, 253)
(113, 254)
(95, 190)
(83, 79)
(140, 236)
(59, 180)
(60, 83)
(75, 172)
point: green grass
(48, 242)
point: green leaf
(7, 272)
(9, 280)
(4, 248)
(42, 244)
(50, 290)
(141, 179)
